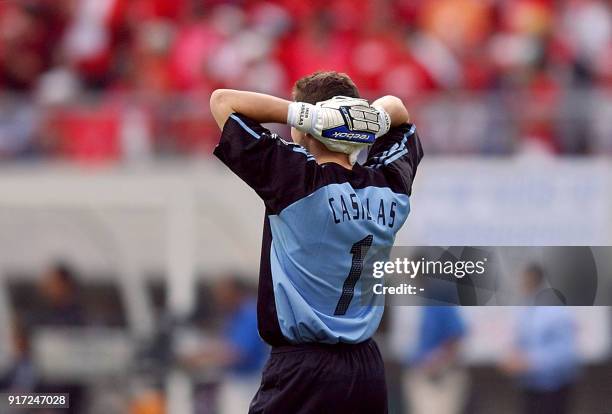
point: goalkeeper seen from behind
(324, 212)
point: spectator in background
(240, 351)
(435, 382)
(17, 129)
(60, 298)
(545, 358)
(21, 377)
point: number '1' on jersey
(322, 222)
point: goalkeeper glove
(341, 119)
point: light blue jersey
(323, 225)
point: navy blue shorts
(320, 379)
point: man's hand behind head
(353, 120)
(340, 118)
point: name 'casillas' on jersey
(318, 220)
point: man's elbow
(218, 98)
(220, 106)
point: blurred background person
(22, 375)
(60, 297)
(239, 351)
(436, 381)
(59, 305)
(545, 359)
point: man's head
(320, 86)
(230, 292)
(533, 278)
(59, 285)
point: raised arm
(395, 108)
(307, 118)
(257, 106)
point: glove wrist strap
(298, 115)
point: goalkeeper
(324, 212)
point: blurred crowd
(219, 352)
(217, 346)
(114, 79)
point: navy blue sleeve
(279, 171)
(397, 154)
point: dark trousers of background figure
(547, 402)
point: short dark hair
(321, 86)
